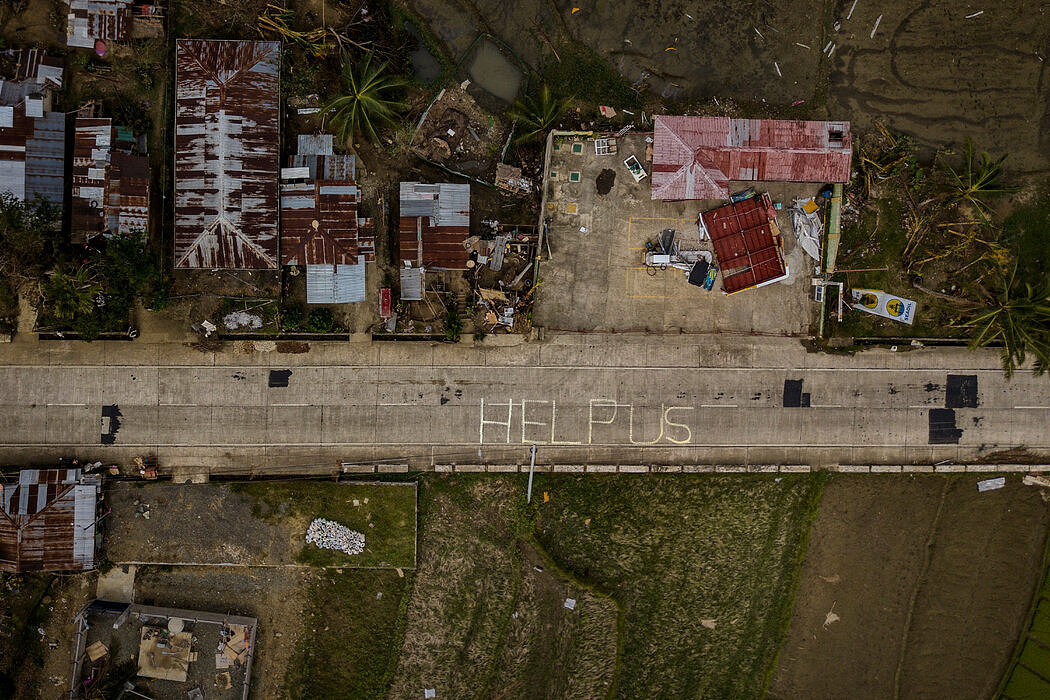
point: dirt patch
(949, 621)
(605, 180)
(292, 347)
(274, 596)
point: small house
(697, 157)
(320, 228)
(434, 223)
(47, 521)
(110, 181)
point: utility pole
(532, 468)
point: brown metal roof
(319, 223)
(47, 521)
(110, 186)
(746, 242)
(434, 223)
(226, 154)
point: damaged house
(32, 137)
(320, 228)
(97, 20)
(47, 521)
(434, 223)
(110, 181)
(226, 154)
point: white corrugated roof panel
(34, 107)
(7, 116)
(295, 173)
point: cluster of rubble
(329, 535)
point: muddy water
(426, 67)
(494, 72)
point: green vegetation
(98, 293)
(320, 320)
(580, 73)
(676, 552)
(452, 323)
(536, 114)
(385, 513)
(369, 99)
(1029, 673)
(975, 180)
(1018, 316)
(350, 643)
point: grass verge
(385, 513)
(1028, 674)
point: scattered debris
(831, 617)
(975, 14)
(991, 484)
(876, 27)
(1036, 480)
(809, 229)
(708, 623)
(834, 578)
(777, 66)
(570, 603)
(851, 9)
(878, 302)
(331, 535)
(802, 45)
(241, 319)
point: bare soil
(930, 581)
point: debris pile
(329, 535)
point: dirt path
(874, 598)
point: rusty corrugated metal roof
(108, 20)
(47, 521)
(33, 65)
(319, 222)
(697, 157)
(32, 148)
(434, 222)
(226, 154)
(746, 242)
(110, 186)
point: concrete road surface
(581, 399)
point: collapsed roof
(746, 242)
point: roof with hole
(226, 154)
(319, 199)
(110, 183)
(434, 222)
(746, 242)
(697, 157)
(47, 521)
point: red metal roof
(697, 157)
(226, 154)
(746, 242)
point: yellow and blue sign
(878, 302)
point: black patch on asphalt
(444, 400)
(942, 427)
(793, 393)
(961, 391)
(279, 377)
(931, 387)
(805, 400)
(604, 182)
(112, 425)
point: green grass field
(385, 513)
(1029, 674)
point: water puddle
(493, 72)
(426, 67)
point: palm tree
(976, 181)
(536, 114)
(1018, 316)
(369, 100)
(72, 295)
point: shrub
(320, 320)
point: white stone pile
(329, 535)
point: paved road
(729, 401)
